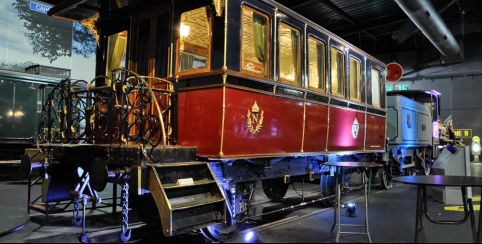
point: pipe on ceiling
(426, 18)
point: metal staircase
(187, 196)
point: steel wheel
(275, 189)
(385, 178)
(221, 232)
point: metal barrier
(131, 109)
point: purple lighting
(433, 92)
(438, 179)
(343, 129)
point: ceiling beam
(329, 4)
(65, 6)
(408, 29)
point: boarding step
(187, 196)
(182, 205)
(193, 184)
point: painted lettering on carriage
(38, 7)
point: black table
(339, 179)
(442, 180)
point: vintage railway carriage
(20, 95)
(259, 92)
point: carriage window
(116, 51)
(254, 43)
(194, 39)
(337, 72)
(355, 79)
(289, 55)
(375, 84)
(316, 55)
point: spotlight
(351, 209)
(250, 237)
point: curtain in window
(320, 65)
(355, 85)
(116, 50)
(259, 30)
(294, 49)
(339, 60)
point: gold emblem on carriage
(255, 119)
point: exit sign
(397, 87)
(463, 133)
(39, 7)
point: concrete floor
(392, 219)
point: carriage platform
(118, 154)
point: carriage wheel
(220, 232)
(239, 200)
(385, 178)
(327, 187)
(275, 189)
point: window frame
(379, 87)
(360, 79)
(267, 74)
(317, 40)
(298, 65)
(336, 94)
(178, 45)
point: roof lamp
(185, 30)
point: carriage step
(187, 196)
(196, 203)
(195, 183)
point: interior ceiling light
(185, 30)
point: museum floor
(392, 219)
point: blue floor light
(250, 237)
(351, 209)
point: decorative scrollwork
(53, 121)
(129, 108)
(79, 103)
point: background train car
(223, 94)
(413, 119)
(21, 95)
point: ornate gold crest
(255, 119)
